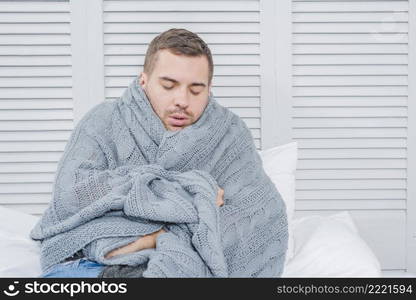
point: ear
(143, 79)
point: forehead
(172, 65)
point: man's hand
(145, 242)
(220, 197)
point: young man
(100, 192)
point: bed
(319, 246)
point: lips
(177, 120)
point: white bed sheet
(324, 247)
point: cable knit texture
(123, 175)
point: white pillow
(19, 255)
(330, 246)
(279, 163)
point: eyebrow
(175, 81)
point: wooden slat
(34, 17)
(350, 204)
(352, 143)
(51, 134)
(322, 112)
(35, 146)
(349, 133)
(349, 27)
(24, 93)
(383, 90)
(349, 122)
(33, 6)
(27, 167)
(397, 48)
(25, 188)
(32, 50)
(64, 60)
(27, 177)
(386, 194)
(350, 70)
(30, 156)
(38, 114)
(352, 153)
(350, 101)
(207, 27)
(209, 38)
(346, 164)
(223, 5)
(180, 16)
(351, 6)
(35, 71)
(352, 59)
(36, 82)
(216, 49)
(335, 17)
(347, 184)
(350, 38)
(34, 28)
(130, 60)
(36, 125)
(33, 39)
(355, 172)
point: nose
(181, 98)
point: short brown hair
(180, 42)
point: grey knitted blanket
(123, 175)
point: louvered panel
(231, 28)
(350, 90)
(36, 107)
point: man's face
(177, 88)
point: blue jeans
(75, 268)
